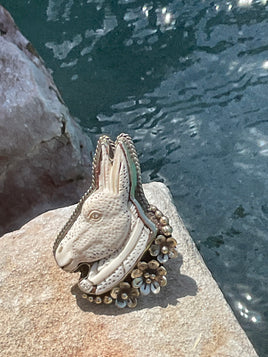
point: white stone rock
(42, 312)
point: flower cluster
(149, 277)
(125, 295)
(164, 245)
(164, 248)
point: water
(188, 80)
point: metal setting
(115, 238)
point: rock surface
(43, 314)
(44, 156)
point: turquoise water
(188, 80)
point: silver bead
(98, 300)
(152, 208)
(167, 230)
(107, 300)
(158, 214)
(164, 249)
(164, 221)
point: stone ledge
(42, 313)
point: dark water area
(188, 80)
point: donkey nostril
(60, 249)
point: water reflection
(59, 8)
(265, 65)
(244, 3)
(61, 50)
(246, 314)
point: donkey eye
(94, 215)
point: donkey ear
(120, 177)
(105, 167)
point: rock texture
(44, 156)
(42, 312)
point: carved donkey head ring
(115, 238)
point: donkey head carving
(110, 227)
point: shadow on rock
(178, 286)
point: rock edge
(42, 312)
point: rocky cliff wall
(44, 156)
